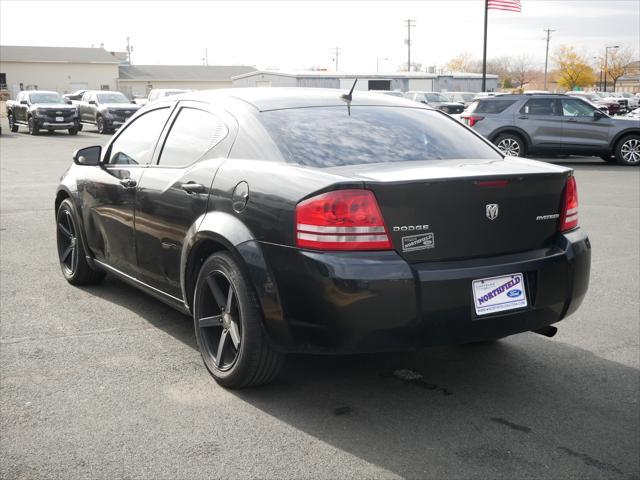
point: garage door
(421, 85)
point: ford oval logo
(514, 293)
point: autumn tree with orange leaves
(573, 69)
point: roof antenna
(348, 97)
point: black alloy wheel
(227, 321)
(71, 254)
(33, 128)
(12, 123)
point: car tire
(100, 125)
(80, 127)
(33, 128)
(510, 144)
(73, 131)
(71, 254)
(12, 123)
(228, 325)
(628, 150)
(608, 158)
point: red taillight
(569, 210)
(471, 120)
(341, 220)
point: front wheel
(628, 150)
(12, 123)
(33, 128)
(510, 145)
(228, 325)
(71, 254)
(100, 125)
(73, 131)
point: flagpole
(484, 54)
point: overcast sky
(299, 35)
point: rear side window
(541, 106)
(490, 106)
(193, 133)
(334, 136)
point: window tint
(193, 133)
(330, 136)
(134, 146)
(540, 106)
(576, 108)
(491, 106)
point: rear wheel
(12, 123)
(628, 150)
(510, 144)
(71, 254)
(73, 131)
(227, 320)
(33, 128)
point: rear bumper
(375, 301)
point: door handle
(523, 117)
(128, 183)
(192, 187)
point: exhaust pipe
(548, 331)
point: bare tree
(617, 64)
(521, 70)
(465, 62)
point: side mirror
(68, 101)
(24, 102)
(598, 114)
(92, 102)
(89, 156)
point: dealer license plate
(497, 294)
(59, 119)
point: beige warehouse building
(61, 69)
(139, 80)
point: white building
(61, 69)
(402, 81)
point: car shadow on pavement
(524, 406)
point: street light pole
(606, 56)
(546, 57)
(378, 63)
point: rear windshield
(330, 136)
(490, 106)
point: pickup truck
(105, 110)
(41, 110)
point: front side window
(335, 136)
(134, 146)
(540, 106)
(193, 133)
(572, 107)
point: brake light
(341, 220)
(472, 119)
(569, 210)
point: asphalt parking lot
(105, 382)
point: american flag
(510, 5)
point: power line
(410, 23)
(336, 53)
(546, 57)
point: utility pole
(546, 56)
(206, 57)
(606, 56)
(336, 53)
(410, 23)
(129, 51)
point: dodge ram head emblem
(492, 211)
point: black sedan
(303, 220)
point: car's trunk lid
(443, 210)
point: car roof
(39, 91)
(277, 98)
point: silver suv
(556, 125)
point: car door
(20, 111)
(541, 119)
(174, 192)
(83, 107)
(108, 197)
(584, 130)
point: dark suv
(106, 110)
(556, 125)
